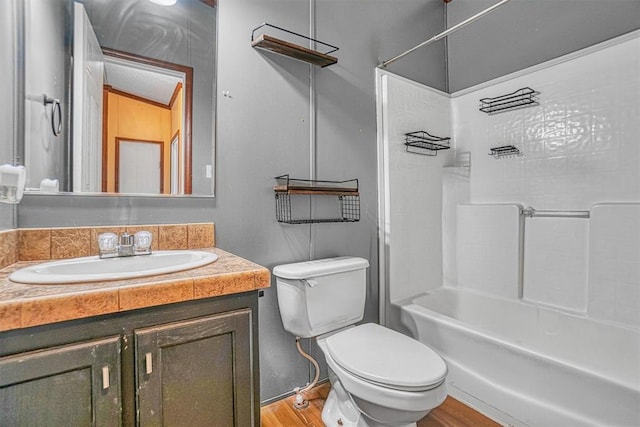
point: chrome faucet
(125, 248)
(111, 245)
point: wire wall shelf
(422, 142)
(346, 192)
(293, 50)
(505, 151)
(521, 98)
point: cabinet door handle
(105, 377)
(148, 359)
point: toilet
(379, 377)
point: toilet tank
(323, 295)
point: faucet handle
(142, 241)
(126, 239)
(107, 242)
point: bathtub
(528, 365)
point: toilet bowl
(379, 377)
(388, 378)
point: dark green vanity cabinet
(186, 364)
(72, 385)
(177, 386)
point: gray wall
(522, 33)
(264, 131)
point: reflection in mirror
(8, 109)
(47, 73)
(131, 79)
(147, 104)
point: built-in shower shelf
(293, 50)
(347, 193)
(505, 151)
(521, 98)
(461, 159)
(422, 142)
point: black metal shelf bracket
(294, 50)
(265, 24)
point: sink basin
(94, 269)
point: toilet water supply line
(300, 402)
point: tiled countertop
(23, 306)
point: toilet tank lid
(319, 267)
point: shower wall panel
(580, 143)
(556, 262)
(412, 186)
(614, 263)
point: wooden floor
(451, 413)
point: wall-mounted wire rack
(347, 194)
(505, 151)
(521, 98)
(422, 142)
(293, 50)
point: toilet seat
(385, 396)
(386, 358)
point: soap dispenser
(12, 182)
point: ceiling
(144, 83)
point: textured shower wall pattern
(580, 144)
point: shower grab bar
(445, 33)
(531, 212)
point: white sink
(94, 269)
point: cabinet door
(196, 373)
(72, 385)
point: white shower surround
(581, 153)
(580, 150)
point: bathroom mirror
(120, 96)
(8, 71)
